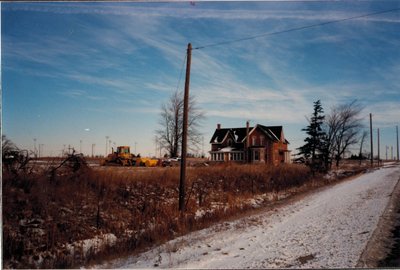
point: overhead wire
(293, 29)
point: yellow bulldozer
(122, 157)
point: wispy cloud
(267, 113)
(144, 110)
(74, 93)
(80, 94)
(122, 86)
(160, 86)
(201, 11)
(385, 114)
(130, 55)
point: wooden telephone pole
(379, 151)
(372, 141)
(397, 139)
(185, 131)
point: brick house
(258, 144)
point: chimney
(218, 126)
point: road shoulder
(380, 244)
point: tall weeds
(43, 213)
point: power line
(293, 29)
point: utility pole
(372, 141)
(397, 137)
(184, 132)
(93, 145)
(34, 147)
(107, 145)
(379, 154)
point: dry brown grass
(140, 209)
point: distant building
(258, 144)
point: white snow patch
(93, 244)
(256, 201)
(226, 149)
(327, 229)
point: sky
(74, 72)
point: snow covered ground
(327, 229)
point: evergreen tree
(314, 143)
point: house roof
(238, 133)
(274, 132)
(277, 130)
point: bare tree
(343, 128)
(171, 118)
(331, 128)
(13, 158)
(7, 145)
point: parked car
(174, 159)
(169, 162)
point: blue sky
(76, 71)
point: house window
(253, 141)
(256, 155)
(261, 140)
(229, 142)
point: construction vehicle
(121, 157)
(148, 162)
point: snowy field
(327, 229)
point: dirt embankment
(383, 248)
